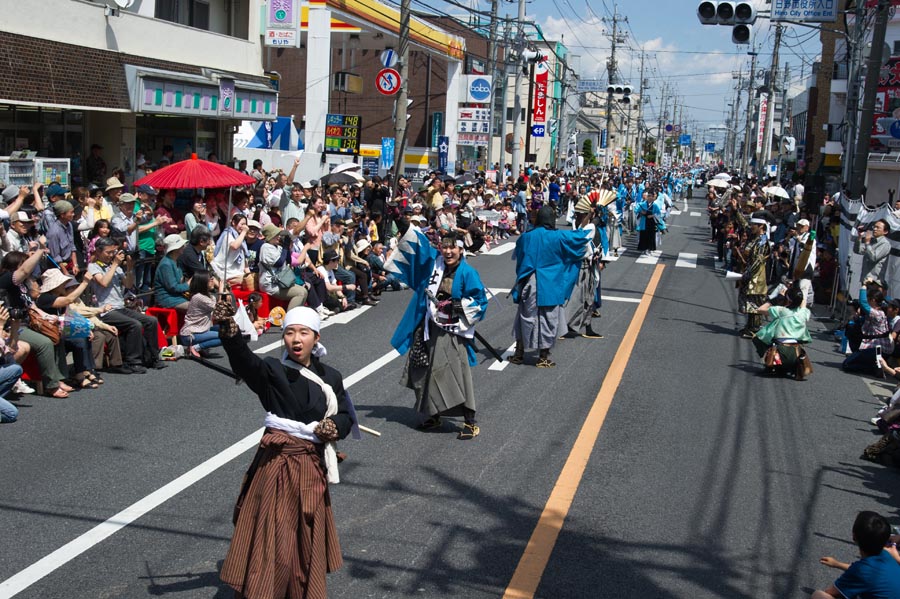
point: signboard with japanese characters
(886, 130)
(283, 24)
(473, 139)
(805, 11)
(474, 127)
(541, 83)
(475, 114)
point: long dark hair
(199, 283)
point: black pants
(132, 325)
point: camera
(14, 313)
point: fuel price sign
(342, 134)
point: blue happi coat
(413, 262)
(554, 258)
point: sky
(697, 60)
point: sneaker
(592, 335)
(119, 370)
(22, 388)
(158, 365)
(136, 369)
(469, 431)
(370, 302)
(875, 420)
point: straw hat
(113, 183)
(362, 245)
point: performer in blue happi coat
(649, 219)
(438, 327)
(547, 265)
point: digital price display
(342, 134)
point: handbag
(43, 323)
(418, 351)
(771, 357)
(804, 366)
(284, 278)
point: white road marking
(25, 578)
(674, 212)
(499, 366)
(686, 260)
(652, 258)
(500, 249)
(615, 298)
(695, 214)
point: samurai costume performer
(285, 539)
(752, 288)
(649, 218)
(547, 267)
(438, 329)
(580, 307)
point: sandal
(87, 383)
(65, 387)
(514, 359)
(545, 363)
(57, 392)
(94, 378)
(469, 431)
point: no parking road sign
(388, 81)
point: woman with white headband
(285, 540)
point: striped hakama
(537, 327)
(285, 540)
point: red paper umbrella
(193, 174)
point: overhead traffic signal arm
(740, 15)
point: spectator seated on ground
(276, 277)
(876, 333)
(335, 299)
(786, 331)
(376, 257)
(876, 575)
(169, 286)
(10, 371)
(137, 331)
(198, 332)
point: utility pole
(731, 146)
(867, 111)
(611, 69)
(854, 78)
(402, 95)
(517, 104)
(504, 89)
(660, 131)
(770, 112)
(748, 137)
(784, 114)
(492, 56)
(639, 149)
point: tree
(587, 151)
(649, 150)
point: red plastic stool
(242, 294)
(170, 319)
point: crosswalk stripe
(674, 212)
(686, 260)
(498, 250)
(500, 366)
(652, 258)
(695, 214)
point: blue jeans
(143, 273)
(9, 375)
(862, 361)
(203, 340)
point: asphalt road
(706, 480)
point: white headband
(302, 316)
(758, 221)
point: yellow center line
(527, 577)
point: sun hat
(53, 278)
(113, 183)
(127, 198)
(362, 245)
(174, 242)
(9, 193)
(270, 232)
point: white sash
(305, 430)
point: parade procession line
(45, 566)
(531, 566)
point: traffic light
(706, 12)
(740, 15)
(744, 18)
(788, 144)
(620, 89)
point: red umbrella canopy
(193, 174)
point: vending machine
(24, 168)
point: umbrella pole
(227, 224)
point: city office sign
(807, 11)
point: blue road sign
(710, 148)
(538, 130)
(684, 140)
